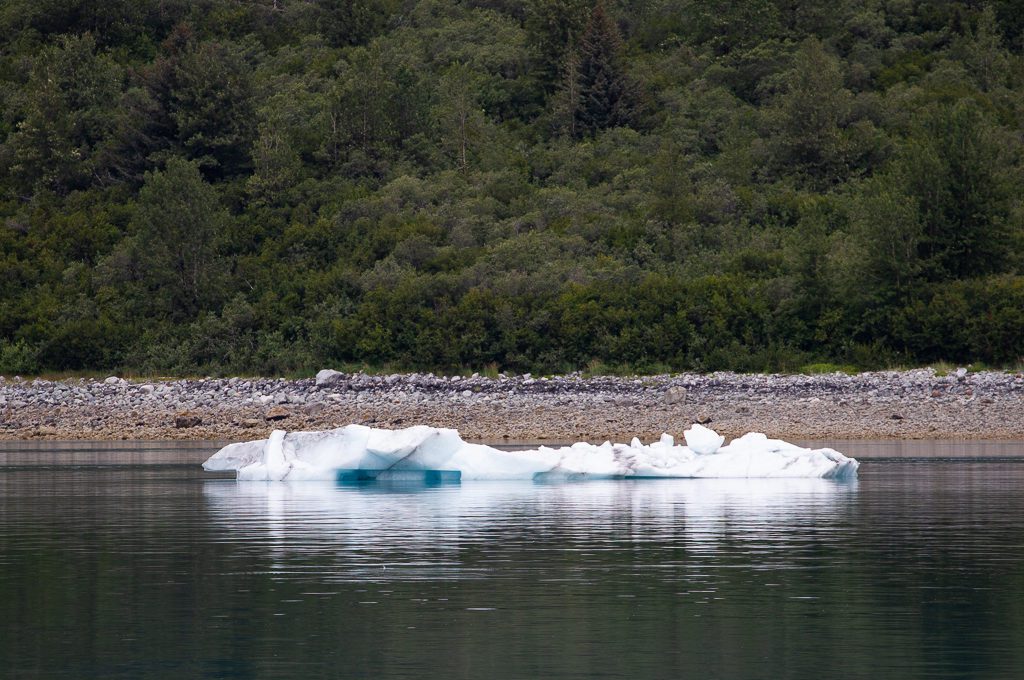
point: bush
(18, 357)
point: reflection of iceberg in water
(408, 532)
(359, 453)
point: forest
(275, 186)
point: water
(110, 568)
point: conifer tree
(600, 93)
(567, 99)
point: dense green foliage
(277, 185)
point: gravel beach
(912, 404)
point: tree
(212, 105)
(597, 90)
(566, 101)
(729, 25)
(358, 111)
(810, 117)
(887, 223)
(177, 223)
(552, 27)
(459, 116)
(63, 117)
(983, 52)
(957, 172)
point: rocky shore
(906, 404)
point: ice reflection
(405, 532)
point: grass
(824, 367)
(943, 368)
(594, 368)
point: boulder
(314, 408)
(674, 395)
(277, 413)
(187, 419)
(329, 378)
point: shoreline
(915, 404)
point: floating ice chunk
(703, 440)
(236, 456)
(359, 452)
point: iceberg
(357, 453)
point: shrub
(18, 357)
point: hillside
(272, 186)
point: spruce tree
(604, 95)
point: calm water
(112, 568)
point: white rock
(674, 395)
(329, 378)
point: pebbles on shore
(907, 404)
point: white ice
(297, 456)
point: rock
(674, 395)
(467, 393)
(313, 408)
(113, 380)
(147, 389)
(703, 418)
(329, 378)
(250, 422)
(936, 393)
(896, 416)
(277, 413)
(187, 419)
